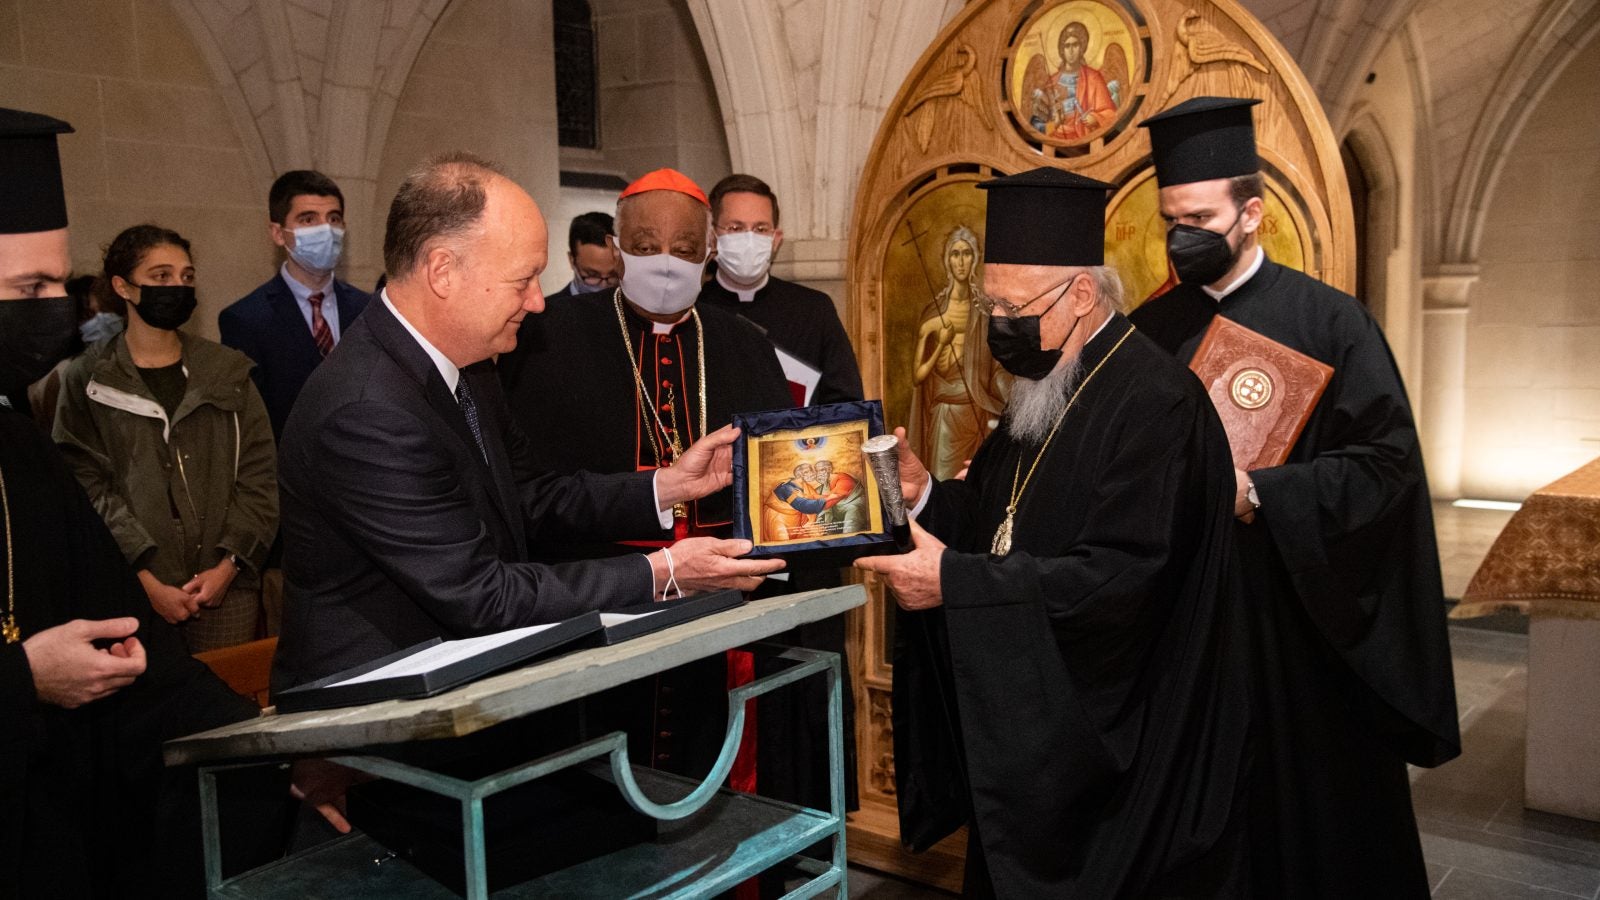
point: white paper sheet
(610, 619)
(441, 655)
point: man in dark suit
(408, 503)
(288, 325)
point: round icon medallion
(1251, 389)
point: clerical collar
(657, 327)
(451, 373)
(745, 295)
(1261, 257)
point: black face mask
(1200, 256)
(166, 306)
(1014, 343)
(35, 334)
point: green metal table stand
(709, 839)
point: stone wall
(1533, 327)
(154, 140)
(484, 82)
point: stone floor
(1478, 839)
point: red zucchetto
(666, 180)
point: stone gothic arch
(1560, 32)
(802, 90)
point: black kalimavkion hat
(1046, 217)
(31, 195)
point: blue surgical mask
(102, 327)
(579, 287)
(317, 247)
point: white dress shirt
(302, 298)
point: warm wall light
(1502, 505)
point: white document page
(440, 655)
(610, 619)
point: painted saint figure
(1077, 100)
(958, 392)
(844, 500)
(792, 505)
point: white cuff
(922, 502)
(664, 516)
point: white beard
(1036, 405)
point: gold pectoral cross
(1002, 535)
(10, 631)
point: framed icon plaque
(801, 485)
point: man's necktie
(320, 332)
(469, 408)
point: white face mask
(317, 247)
(661, 284)
(745, 256)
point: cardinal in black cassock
(614, 385)
(1338, 558)
(86, 809)
(1070, 666)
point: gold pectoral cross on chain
(1001, 545)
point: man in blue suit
(288, 325)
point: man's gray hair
(1107, 286)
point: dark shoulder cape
(78, 788)
(1349, 514)
(803, 323)
(1098, 671)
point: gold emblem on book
(1251, 389)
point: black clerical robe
(1094, 680)
(82, 812)
(803, 323)
(1341, 570)
(570, 384)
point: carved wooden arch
(954, 122)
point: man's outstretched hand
(711, 564)
(914, 476)
(914, 576)
(703, 469)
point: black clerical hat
(31, 196)
(1046, 217)
(1203, 139)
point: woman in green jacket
(169, 437)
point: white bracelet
(672, 578)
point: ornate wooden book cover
(1264, 392)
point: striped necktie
(320, 332)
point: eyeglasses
(596, 279)
(740, 228)
(987, 304)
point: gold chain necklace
(679, 510)
(1001, 545)
(8, 628)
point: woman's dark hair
(126, 251)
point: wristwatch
(1251, 495)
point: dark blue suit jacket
(267, 326)
(397, 529)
